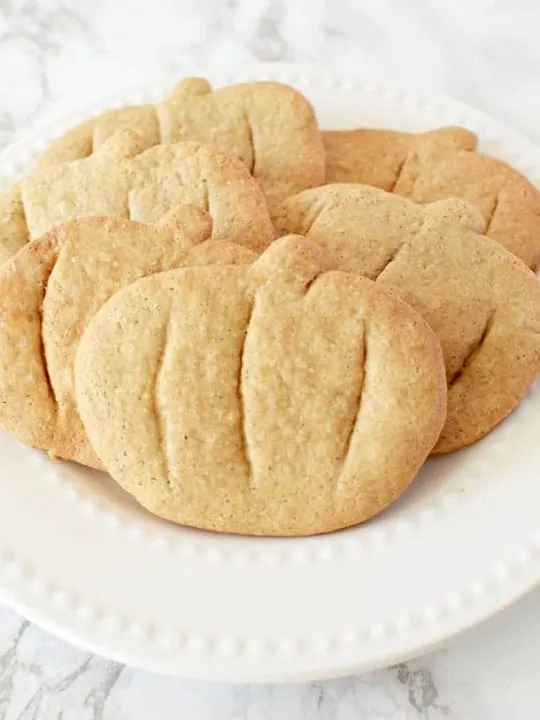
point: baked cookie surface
(271, 127)
(375, 156)
(271, 399)
(122, 180)
(509, 203)
(442, 164)
(50, 290)
(483, 303)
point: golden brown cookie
(271, 399)
(374, 157)
(13, 226)
(121, 181)
(271, 127)
(51, 289)
(483, 303)
(441, 164)
(509, 203)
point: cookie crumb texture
(268, 399)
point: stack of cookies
(257, 327)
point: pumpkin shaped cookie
(120, 180)
(483, 303)
(375, 156)
(270, 399)
(440, 164)
(509, 203)
(269, 126)
(50, 290)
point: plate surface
(80, 558)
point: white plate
(82, 559)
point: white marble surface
(56, 54)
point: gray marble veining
(489, 674)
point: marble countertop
(57, 54)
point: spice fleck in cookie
(271, 127)
(483, 303)
(50, 290)
(119, 180)
(268, 399)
